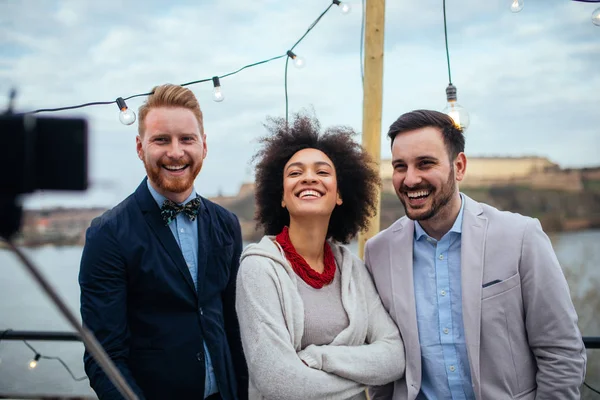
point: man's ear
(460, 166)
(138, 146)
(204, 145)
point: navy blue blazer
(139, 300)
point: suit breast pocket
(501, 287)
(218, 267)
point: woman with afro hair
(311, 321)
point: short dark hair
(357, 175)
(454, 139)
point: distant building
(533, 172)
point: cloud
(529, 80)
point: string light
(459, 114)
(217, 93)
(38, 356)
(596, 17)
(516, 6)
(298, 61)
(345, 8)
(126, 116)
(33, 363)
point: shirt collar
(457, 227)
(160, 199)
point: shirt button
(182, 230)
(441, 256)
(452, 368)
(446, 330)
(443, 292)
(201, 311)
(199, 357)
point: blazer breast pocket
(501, 287)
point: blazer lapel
(152, 216)
(204, 228)
(474, 231)
(401, 277)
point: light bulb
(217, 93)
(299, 62)
(458, 113)
(126, 116)
(345, 8)
(516, 6)
(33, 363)
(596, 16)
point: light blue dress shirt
(186, 235)
(436, 268)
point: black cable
(60, 360)
(285, 86)
(97, 103)
(591, 388)
(252, 65)
(81, 378)
(198, 81)
(362, 43)
(138, 95)
(286, 89)
(202, 80)
(446, 38)
(311, 26)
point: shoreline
(568, 227)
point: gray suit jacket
(522, 336)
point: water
(24, 307)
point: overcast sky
(531, 80)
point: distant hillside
(556, 210)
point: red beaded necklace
(301, 267)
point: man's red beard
(170, 183)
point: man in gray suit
(478, 294)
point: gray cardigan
(369, 352)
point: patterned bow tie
(169, 210)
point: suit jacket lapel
(401, 260)
(204, 227)
(472, 261)
(151, 213)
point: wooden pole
(373, 98)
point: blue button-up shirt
(186, 235)
(436, 269)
